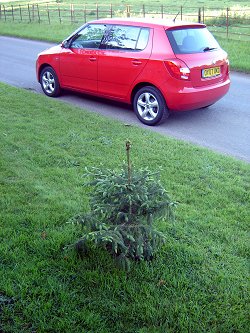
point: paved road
(224, 127)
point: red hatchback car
(158, 66)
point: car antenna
(179, 11)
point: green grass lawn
(199, 280)
(191, 3)
(238, 53)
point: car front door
(79, 61)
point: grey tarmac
(224, 127)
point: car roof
(149, 22)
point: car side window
(89, 37)
(143, 39)
(126, 38)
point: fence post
(59, 13)
(48, 13)
(38, 13)
(12, 12)
(4, 12)
(72, 13)
(29, 12)
(143, 10)
(162, 11)
(33, 12)
(199, 15)
(20, 11)
(181, 12)
(227, 22)
(97, 11)
(203, 14)
(128, 10)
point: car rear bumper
(195, 98)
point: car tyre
(150, 106)
(49, 82)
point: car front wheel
(150, 106)
(49, 82)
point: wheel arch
(42, 67)
(50, 84)
(140, 85)
(148, 112)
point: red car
(158, 66)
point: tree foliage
(124, 205)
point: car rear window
(191, 40)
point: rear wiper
(209, 48)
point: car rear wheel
(150, 106)
(49, 82)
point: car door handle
(136, 62)
(92, 59)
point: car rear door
(123, 55)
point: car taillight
(228, 66)
(177, 68)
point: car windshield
(191, 40)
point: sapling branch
(128, 146)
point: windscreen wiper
(209, 49)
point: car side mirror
(65, 44)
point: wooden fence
(226, 21)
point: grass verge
(191, 3)
(55, 33)
(58, 32)
(234, 49)
(198, 283)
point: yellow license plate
(210, 72)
